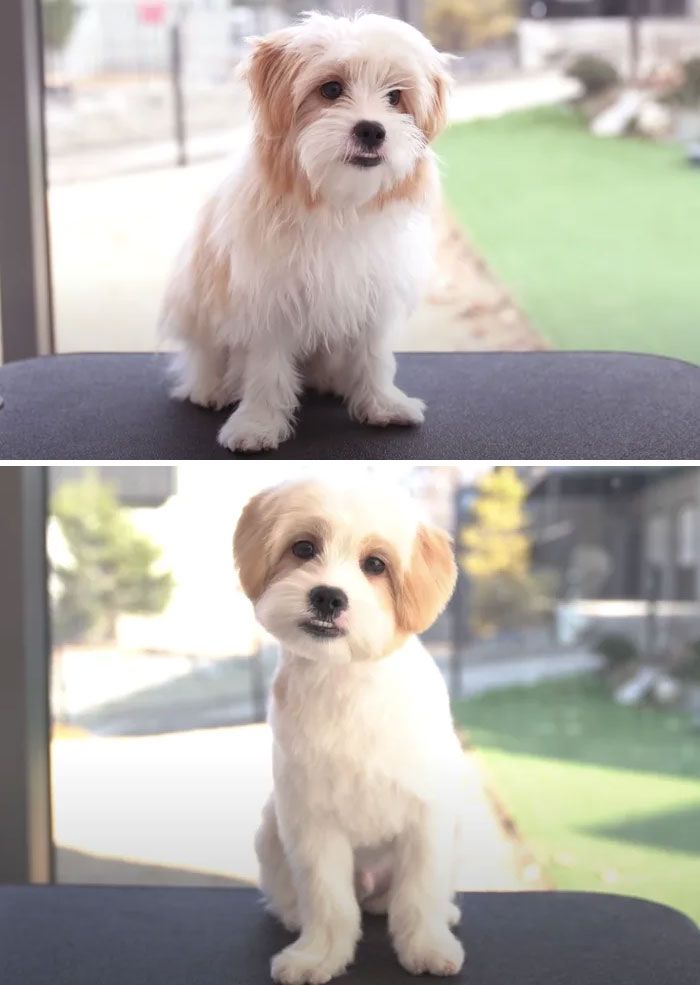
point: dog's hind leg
(202, 374)
(275, 874)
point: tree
(504, 592)
(459, 25)
(58, 18)
(112, 567)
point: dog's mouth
(365, 160)
(324, 629)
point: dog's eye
(394, 97)
(331, 90)
(373, 565)
(304, 549)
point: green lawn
(607, 798)
(598, 240)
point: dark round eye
(331, 90)
(373, 565)
(304, 549)
(394, 97)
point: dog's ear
(435, 118)
(270, 70)
(250, 544)
(428, 582)
(429, 109)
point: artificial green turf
(607, 798)
(597, 239)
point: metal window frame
(26, 843)
(26, 315)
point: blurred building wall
(545, 43)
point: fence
(124, 74)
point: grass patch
(607, 798)
(598, 240)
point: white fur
(368, 771)
(317, 294)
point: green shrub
(618, 650)
(59, 17)
(688, 92)
(688, 668)
(595, 74)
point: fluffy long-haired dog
(311, 255)
(368, 771)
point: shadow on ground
(677, 831)
(577, 720)
(81, 867)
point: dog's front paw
(297, 965)
(435, 953)
(393, 408)
(244, 431)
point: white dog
(368, 771)
(316, 248)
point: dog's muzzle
(326, 603)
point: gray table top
(534, 405)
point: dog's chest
(343, 756)
(328, 282)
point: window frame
(26, 311)
(26, 843)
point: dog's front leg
(420, 902)
(322, 868)
(372, 396)
(270, 398)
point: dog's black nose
(369, 133)
(328, 602)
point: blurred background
(571, 649)
(571, 166)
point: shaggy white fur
(307, 261)
(368, 772)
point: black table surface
(69, 935)
(533, 405)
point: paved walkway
(183, 808)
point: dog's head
(341, 574)
(346, 107)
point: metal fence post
(178, 95)
(26, 852)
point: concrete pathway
(495, 675)
(184, 808)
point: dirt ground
(468, 309)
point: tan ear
(270, 70)
(429, 581)
(436, 118)
(251, 544)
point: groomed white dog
(368, 770)
(314, 251)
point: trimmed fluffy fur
(305, 263)
(368, 771)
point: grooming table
(71, 935)
(532, 405)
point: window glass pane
(687, 536)
(566, 678)
(658, 539)
(543, 239)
